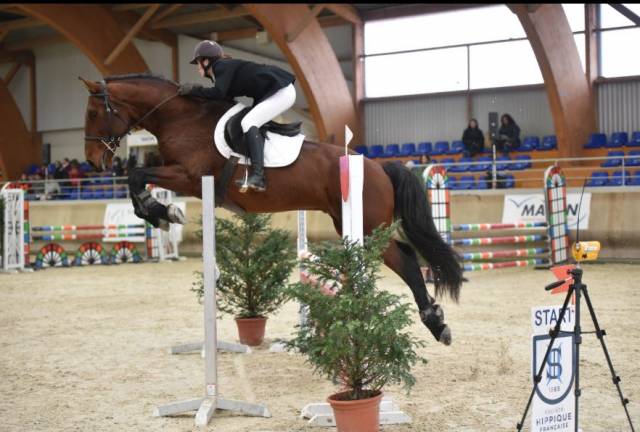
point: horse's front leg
(172, 177)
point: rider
(270, 87)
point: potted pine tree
(359, 337)
(255, 262)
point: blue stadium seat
(85, 167)
(614, 160)
(440, 148)
(408, 149)
(529, 143)
(596, 140)
(500, 163)
(424, 148)
(634, 160)
(86, 194)
(457, 147)
(481, 183)
(376, 151)
(635, 139)
(453, 182)
(98, 193)
(615, 179)
(391, 150)
(481, 167)
(598, 178)
(463, 167)
(108, 193)
(549, 142)
(121, 193)
(466, 182)
(361, 150)
(509, 181)
(633, 179)
(524, 162)
(446, 162)
(618, 139)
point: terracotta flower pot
(361, 415)
(251, 330)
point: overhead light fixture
(213, 36)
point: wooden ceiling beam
(129, 19)
(345, 11)
(314, 12)
(12, 72)
(129, 6)
(20, 23)
(132, 32)
(166, 12)
(199, 17)
(26, 44)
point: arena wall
(613, 219)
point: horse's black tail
(412, 207)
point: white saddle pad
(279, 150)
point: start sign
(553, 406)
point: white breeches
(269, 108)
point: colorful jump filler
(545, 243)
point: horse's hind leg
(402, 259)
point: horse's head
(107, 121)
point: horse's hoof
(445, 336)
(175, 215)
(164, 225)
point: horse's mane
(144, 76)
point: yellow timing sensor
(586, 250)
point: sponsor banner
(553, 406)
(531, 208)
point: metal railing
(88, 188)
(495, 170)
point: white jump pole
(205, 407)
(352, 186)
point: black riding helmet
(208, 49)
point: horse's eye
(93, 114)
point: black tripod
(579, 289)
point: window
(441, 29)
(453, 51)
(504, 64)
(609, 17)
(417, 72)
(619, 52)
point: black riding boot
(255, 145)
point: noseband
(112, 142)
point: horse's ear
(92, 86)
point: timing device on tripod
(581, 251)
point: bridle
(112, 142)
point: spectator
(473, 139)
(508, 135)
(75, 173)
(117, 167)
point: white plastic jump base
(199, 346)
(321, 414)
(206, 406)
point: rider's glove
(186, 89)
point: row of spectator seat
(601, 178)
(470, 182)
(483, 163)
(120, 192)
(443, 148)
(616, 159)
(617, 139)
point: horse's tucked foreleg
(402, 259)
(146, 207)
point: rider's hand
(185, 89)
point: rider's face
(201, 69)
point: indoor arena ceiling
(221, 21)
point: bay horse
(184, 129)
